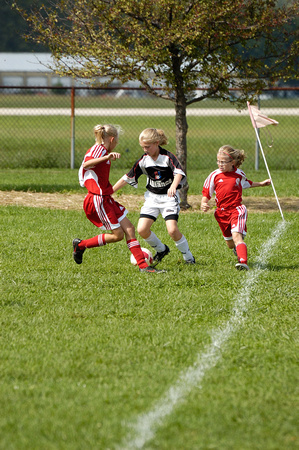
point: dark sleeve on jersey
(132, 176)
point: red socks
(242, 252)
(133, 246)
(97, 241)
(135, 249)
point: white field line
(204, 112)
(144, 429)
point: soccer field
(101, 356)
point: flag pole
(262, 151)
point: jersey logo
(220, 181)
(157, 175)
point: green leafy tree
(176, 45)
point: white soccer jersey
(160, 173)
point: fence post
(72, 127)
(257, 147)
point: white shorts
(155, 204)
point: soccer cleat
(77, 253)
(160, 255)
(190, 261)
(150, 269)
(241, 266)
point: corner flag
(260, 120)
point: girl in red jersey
(227, 182)
(100, 208)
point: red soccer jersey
(96, 178)
(227, 187)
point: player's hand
(266, 182)
(114, 155)
(205, 207)
(171, 192)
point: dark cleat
(77, 253)
(190, 261)
(160, 255)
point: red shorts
(232, 221)
(103, 211)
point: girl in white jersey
(100, 208)
(164, 177)
(227, 182)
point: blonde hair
(101, 132)
(234, 154)
(152, 135)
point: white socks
(183, 247)
(155, 242)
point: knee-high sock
(97, 241)
(183, 247)
(242, 252)
(155, 242)
(135, 249)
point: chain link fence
(53, 127)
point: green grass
(66, 180)
(108, 99)
(86, 349)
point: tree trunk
(181, 142)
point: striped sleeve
(245, 183)
(209, 185)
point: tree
(175, 45)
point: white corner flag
(259, 120)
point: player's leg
(230, 242)
(224, 221)
(170, 212)
(104, 215)
(241, 251)
(148, 215)
(144, 230)
(238, 228)
(179, 239)
(132, 242)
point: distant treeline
(13, 27)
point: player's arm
(130, 178)
(205, 204)
(95, 161)
(174, 185)
(261, 183)
(119, 184)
